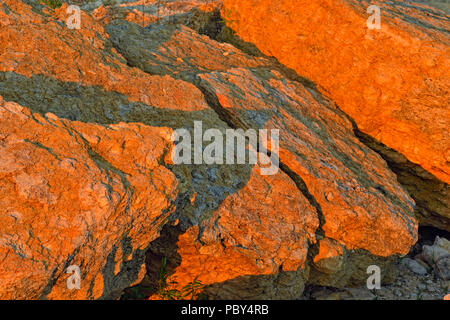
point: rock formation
(87, 177)
(349, 185)
(393, 81)
(78, 194)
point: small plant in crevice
(167, 290)
(193, 290)
(375, 293)
(419, 294)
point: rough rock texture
(246, 249)
(78, 194)
(318, 149)
(39, 44)
(438, 257)
(146, 12)
(414, 266)
(394, 82)
(107, 98)
(67, 166)
(83, 89)
(349, 185)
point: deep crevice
(430, 194)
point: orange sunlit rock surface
(393, 82)
(264, 228)
(87, 119)
(75, 194)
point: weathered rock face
(43, 45)
(253, 246)
(86, 126)
(78, 194)
(89, 97)
(318, 149)
(393, 82)
(349, 185)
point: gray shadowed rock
(414, 266)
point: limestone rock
(102, 94)
(330, 257)
(74, 75)
(78, 194)
(442, 267)
(150, 12)
(442, 243)
(254, 246)
(176, 50)
(349, 185)
(393, 81)
(319, 150)
(39, 44)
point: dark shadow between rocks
(432, 196)
(280, 285)
(115, 283)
